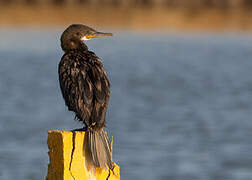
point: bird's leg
(80, 129)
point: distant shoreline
(137, 18)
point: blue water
(180, 109)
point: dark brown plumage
(86, 90)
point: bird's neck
(74, 45)
(82, 47)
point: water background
(180, 109)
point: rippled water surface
(180, 109)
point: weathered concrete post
(67, 161)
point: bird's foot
(80, 129)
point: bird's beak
(98, 34)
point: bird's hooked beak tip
(96, 34)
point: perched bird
(86, 90)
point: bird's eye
(78, 34)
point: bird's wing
(76, 87)
(101, 84)
(101, 93)
(85, 89)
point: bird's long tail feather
(97, 149)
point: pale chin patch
(85, 38)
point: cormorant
(86, 90)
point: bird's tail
(97, 149)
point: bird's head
(74, 36)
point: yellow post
(67, 161)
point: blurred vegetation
(234, 15)
(150, 3)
